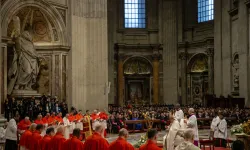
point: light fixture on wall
(107, 88)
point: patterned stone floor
(133, 138)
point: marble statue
(25, 65)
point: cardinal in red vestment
(36, 138)
(46, 139)
(59, 118)
(27, 134)
(56, 143)
(24, 124)
(46, 118)
(121, 143)
(74, 143)
(152, 139)
(96, 140)
(39, 120)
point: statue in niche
(236, 73)
(24, 69)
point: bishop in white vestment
(192, 124)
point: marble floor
(133, 138)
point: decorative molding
(200, 43)
(119, 46)
(233, 12)
(247, 2)
(63, 14)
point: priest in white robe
(67, 125)
(216, 120)
(178, 113)
(220, 132)
(174, 136)
(192, 124)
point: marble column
(120, 81)
(210, 54)
(183, 57)
(155, 79)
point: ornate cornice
(200, 43)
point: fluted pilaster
(183, 57)
(169, 40)
(156, 79)
(210, 54)
(89, 54)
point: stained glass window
(134, 14)
(205, 10)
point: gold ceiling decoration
(137, 66)
(199, 64)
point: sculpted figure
(25, 65)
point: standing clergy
(174, 136)
(220, 132)
(152, 140)
(67, 125)
(96, 141)
(95, 119)
(121, 142)
(178, 113)
(192, 124)
(56, 143)
(46, 139)
(24, 124)
(25, 136)
(74, 143)
(11, 134)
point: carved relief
(41, 26)
(44, 76)
(235, 67)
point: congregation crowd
(48, 119)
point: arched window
(134, 14)
(205, 10)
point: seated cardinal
(36, 138)
(56, 143)
(23, 143)
(96, 140)
(74, 143)
(121, 143)
(24, 124)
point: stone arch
(198, 63)
(137, 61)
(11, 8)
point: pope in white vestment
(67, 125)
(174, 136)
(179, 114)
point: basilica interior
(124, 52)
